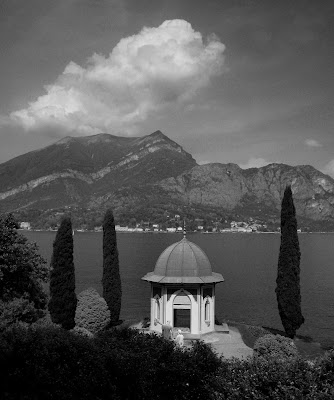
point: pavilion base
(223, 328)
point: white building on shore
(183, 289)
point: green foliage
(22, 272)
(111, 280)
(275, 379)
(149, 367)
(63, 300)
(49, 363)
(53, 363)
(276, 346)
(92, 312)
(18, 310)
(288, 272)
(82, 331)
(45, 322)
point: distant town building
(25, 225)
(119, 228)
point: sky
(244, 81)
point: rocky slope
(154, 172)
(229, 187)
(75, 170)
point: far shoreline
(177, 233)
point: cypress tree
(111, 280)
(288, 271)
(63, 300)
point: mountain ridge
(130, 173)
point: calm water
(248, 262)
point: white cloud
(254, 163)
(329, 169)
(144, 73)
(312, 143)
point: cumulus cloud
(254, 163)
(312, 143)
(329, 169)
(144, 73)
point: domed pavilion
(183, 289)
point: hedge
(51, 363)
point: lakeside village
(197, 225)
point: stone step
(191, 336)
(222, 328)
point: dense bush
(276, 346)
(22, 273)
(45, 322)
(92, 312)
(276, 379)
(49, 363)
(53, 363)
(82, 331)
(150, 367)
(18, 310)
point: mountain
(147, 177)
(75, 171)
(254, 190)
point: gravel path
(228, 344)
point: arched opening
(156, 311)
(182, 311)
(207, 311)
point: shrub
(18, 310)
(146, 323)
(45, 322)
(82, 331)
(92, 312)
(276, 346)
(155, 368)
(49, 363)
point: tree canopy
(111, 280)
(63, 300)
(288, 271)
(22, 268)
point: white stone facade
(189, 307)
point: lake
(248, 262)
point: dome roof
(183, 262)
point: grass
(249, 333)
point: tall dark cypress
(63, 300)
(111, 280)
(288, 271)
